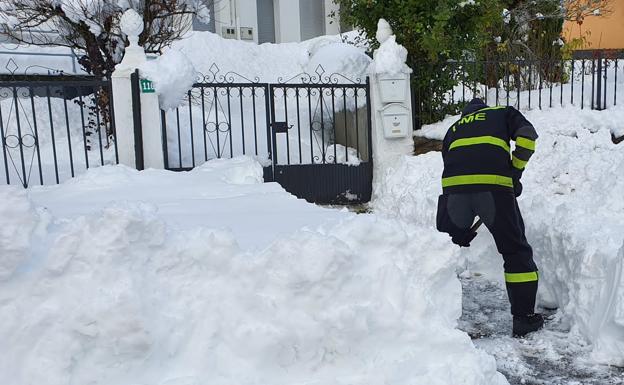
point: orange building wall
(606, 32)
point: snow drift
(173, 75)
(211, 54)
(119, 296)
(574, 214)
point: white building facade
(273, 21)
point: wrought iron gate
(54, 127)
(334, 124)
(312, 132)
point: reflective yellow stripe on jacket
(480, 140)
(477, 179)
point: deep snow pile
(173, 75)
(221, 193)
(574, 213)
(271, 63)
(119, 296)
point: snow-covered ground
(221, 194)
(125, 277)
(550, 357)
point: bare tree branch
(93, 27)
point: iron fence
(54, 128)
(589, 80)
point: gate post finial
(131, 25)
(125, 105)
(384, 31)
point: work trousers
(500, 213)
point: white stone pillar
(132, 25)
(392, 125)
(124, 125)
(152, 141)
(153, 154)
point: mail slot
(395, 119)
(393, 89)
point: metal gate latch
(281, 127)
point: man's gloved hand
(463, 239)
(517, 185)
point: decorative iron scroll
(35, 69)
(214, 76)
(320, 76)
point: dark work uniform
(479, 179)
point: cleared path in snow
(549, 357)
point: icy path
(549, 357)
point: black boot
(523, 325)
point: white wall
(287, 24)
(236, 13)
(244, 13)
(247, 16)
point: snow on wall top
(271, 62)
(205, 56)
(391, 57)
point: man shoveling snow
(481, 179)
